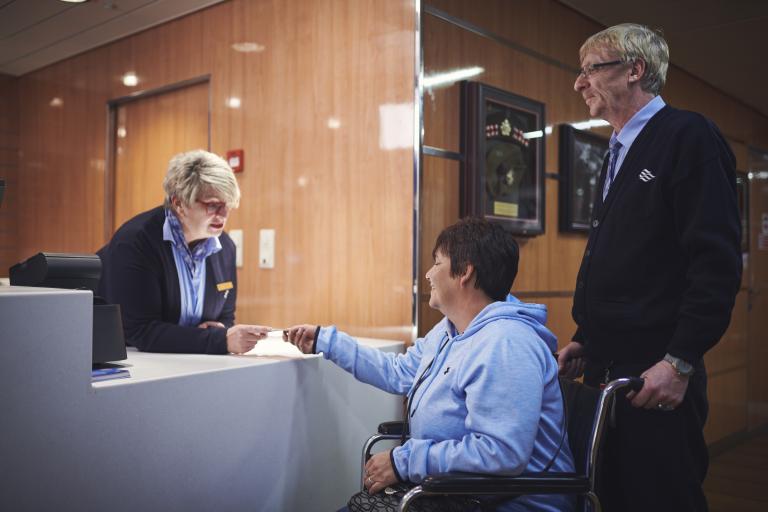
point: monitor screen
(57, 270)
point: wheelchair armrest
(392, 428)
(528, 483)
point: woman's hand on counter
(242, 338)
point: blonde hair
(192, 173)
(630, 42)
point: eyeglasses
(215, 207)
(588, 71)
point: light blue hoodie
(490, 403)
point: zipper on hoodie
(422, 378)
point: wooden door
(149, 130)
(758, 291)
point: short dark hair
(491, 250)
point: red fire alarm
(235, 159)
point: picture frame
(742, 199)
(581, 155)
(502, 170)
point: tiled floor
(738, 478)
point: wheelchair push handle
(633, 383)
(636, 383)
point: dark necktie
(614, 146)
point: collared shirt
(190, 265)
(632, 129)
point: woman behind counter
(172, 268)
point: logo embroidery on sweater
(645, 175)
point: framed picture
(581, 160)
(502, 173)
(742, 197)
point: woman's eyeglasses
(214, 207)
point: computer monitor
(57, 270)
(77, 272)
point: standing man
(659, 274)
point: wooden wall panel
(150, 131)
(311, 125)
(730, 354)
(9, 170)
(548, 262)
(439, 208)
(542, 39)
(758, 293)
(727, 371)
(727, 393)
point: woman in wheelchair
(482, 385)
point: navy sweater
(139, 273)
(662, 265)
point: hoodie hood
(533, 315)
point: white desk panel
(267, 431)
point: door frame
(112, 106)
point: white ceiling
(35, 33)
(721, 42)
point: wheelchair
(586, 411)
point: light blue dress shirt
(190, 265)
(632, 129)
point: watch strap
(682, 367)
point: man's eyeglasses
(588, 71)
(214, 207)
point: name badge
(226, 285)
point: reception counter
(272, 430)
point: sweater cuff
(218, 340)
(394, 465)
(322, 343)
(314, 340)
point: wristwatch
(683, 368)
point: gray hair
(631, 42)
(192, 173)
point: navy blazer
(139, 273)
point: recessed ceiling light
(130, 79)
(248, 47)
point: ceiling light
(233, 102)
(56, 102)
(537, 134)
(248, 47)
(590, 123)
(450, 77)
(130, 79)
